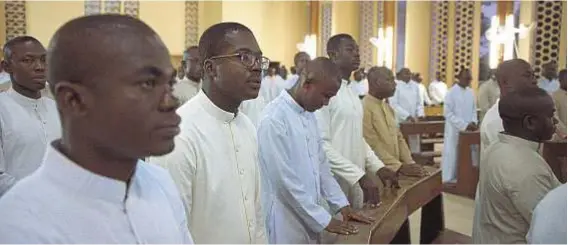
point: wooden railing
(391, 225)
(467, 172)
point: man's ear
(7, 66)
(73, 98)
(209, 69)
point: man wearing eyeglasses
(215, 162)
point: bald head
(381, 82)
(321, 69)
(514, 74)
(84, 48)
(319, 81)
(516, 106)
(376, 73)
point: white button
(251, 224)
(246, 198)
(241, 171)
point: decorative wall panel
(463, 35)
(92, 7)
(325, 21)
(365, 33)
(15, 18)
(191, 23)
(112, 6)
(132, 8)
(547, 38)
(439, 38)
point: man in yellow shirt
(380, 127)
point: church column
(325, 25)
(547, 45)
(366, 31)
(439, 38)
(191, 23)
(15, 18)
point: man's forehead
(241, 40)
(28, 47)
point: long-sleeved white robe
(437, 90)
(341, 124)
(291, 153)
(253, 109)
(27, 126)
(215, 166)
(270, 87)
(406, 102)
(459, 111)
(424, 94)
(185, 89)
(63, 203)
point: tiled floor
(458, 214)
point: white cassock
(438, 90)
(424, 98)
(360, 88)
(185, 89)
(548, 225)
(27, 126)
(549, 85)
(253, 109)
(341, 124)
(270, 87)
(291, 81)
(64, 203)
(406, 102)
(216, 168)
(291, 153)
(459, 111)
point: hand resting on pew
(412, 170)
(343, 227)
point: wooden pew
(391, 217)
(423, 127)
(554, 152)
(467, 174)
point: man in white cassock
(549, 77)
(215, 162)
(272, 84)
(300, 61)
(461, 115)
(438, 90)
(548, 225)
(407, 104)
(360, 84)
(91, 187)
(253, 109)
(291, 153)
(28, 120)
(190, 84)
(341, 122)
(424, 98)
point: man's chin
(162, 149)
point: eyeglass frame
(240, 55)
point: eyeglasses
(248, 59)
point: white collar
(23, 100)
(213, 110)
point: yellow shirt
(513, 178)
(382, 133)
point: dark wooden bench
(391, 217)
(467, 173)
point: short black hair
(517, 103)
(333, 42)
(9, 46)
(213, 42)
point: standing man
(290, 149)
(423, 92)
(407, 105)
(461, 115)
(116, 107)
(560, 102)
(190, 85)
(380, 128)
(300, 61)
(438, 90)
(341, 123)
(28, 120)
(488, 94)
(547, 224)
(515, 177)
(549, 79)
(215, 162)
(360, 84)
(272, 84)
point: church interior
(434, 39)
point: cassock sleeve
(450, 107)
(274, 150)
(434, 94)
(403, 150)
(474, 109)
(530, 191)
(425, 94)
(400, 112)
(340, 165)
(330, 189)
(181, 164)
(6, 180)
(371, 132)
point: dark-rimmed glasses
(247, 59)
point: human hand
(370, 190)
(471, 127)
(413, 170)
(385, 174)
(350, 214)
(343, 228)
